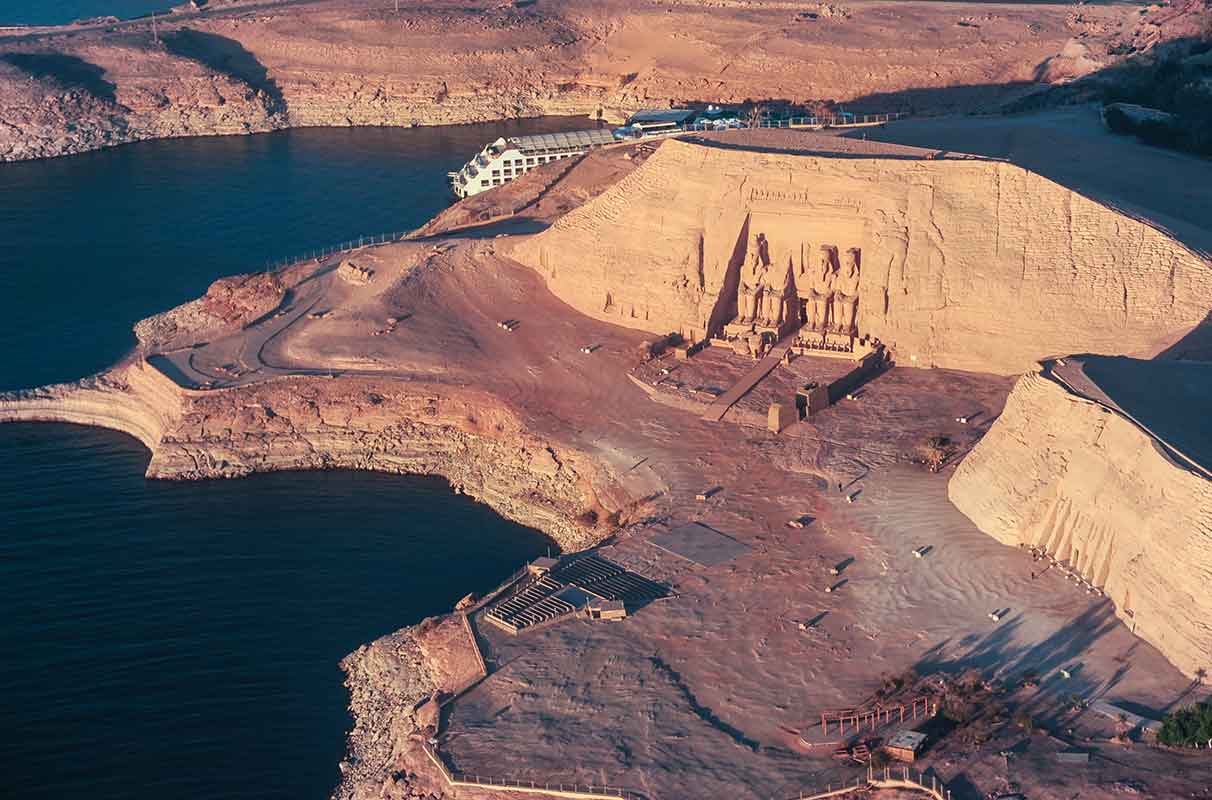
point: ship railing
(832, 121)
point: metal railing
(887, 778)
(833, 121)
(344, 247)
(549, 788)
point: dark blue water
(93, 243)
(181, 640)
(58, 12)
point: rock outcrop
(966, 263)
(229, 304)
(72, 95)
(137, 400)
(1091, 488)
(463, 435)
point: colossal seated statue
(753, 278)
(776, 290)
(820, 288)
(846, 293)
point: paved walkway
(716, 411)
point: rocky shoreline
(327, 423)
(240, 68)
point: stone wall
(966, 263)
(1062, 473)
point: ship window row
(520, 164)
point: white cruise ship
(506, 159)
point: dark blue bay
(163, 639)
(59, 12)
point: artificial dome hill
(967, 263)
(1013, 351)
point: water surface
(181, 640)
(60, 12)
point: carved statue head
(852, 260)
(824, 259)
(759, 250)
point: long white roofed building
(506, 159)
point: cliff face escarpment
(965, 263)
(136, 400)
(1089, 487)
(320, 423)
(59, 98)
(244, 67)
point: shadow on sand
(228, 57)
(999, 655)
(70, 71)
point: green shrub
(1188, 726)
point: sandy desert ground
(393, 357)
(405, 367)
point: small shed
(542, 565)
(905, 745)
(606, 609)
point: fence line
(570, 790)
(891, 779)
(343, 247)
(899, 779)
(835, 121)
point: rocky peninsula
(520, 345)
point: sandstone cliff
(465, 436)
(966, 263)
(1064, 474)
(246, 67)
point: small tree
(1187, 726)
(935, 452)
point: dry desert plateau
(843, 434)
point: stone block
(780, 416)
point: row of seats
(534, 603)
(609, 580)
(531, 605)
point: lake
(182, 639)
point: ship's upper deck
(561, 142)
